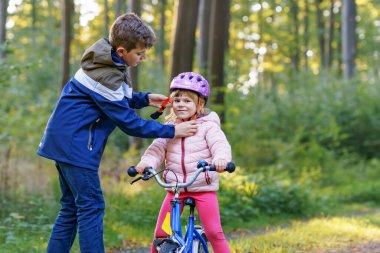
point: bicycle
(195, 240)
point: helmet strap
(199, 106)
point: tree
(204, 35)
(306, 33)
(106, 18)
(183, 41)
(348, 38)
(321, 32)
(161, 45)
(330, 37)
(295, 54)
(218, 28)
(67, 11)
(3, 21)
(120, 7)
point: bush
(244, 197)
(308, 111)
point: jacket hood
(100, 54)
(99, 64)
(212, 116)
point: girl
(189, 94)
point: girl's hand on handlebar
(140, 167)
(220, 164)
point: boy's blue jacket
(91, 105)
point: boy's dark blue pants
(82, 209)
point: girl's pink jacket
(182, 154)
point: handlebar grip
(132, 172)
(229, 168)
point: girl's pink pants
(208, 211)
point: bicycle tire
(169, 247)
(198, 246)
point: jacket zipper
(183, 160)
(91, 135)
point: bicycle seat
(189, 201)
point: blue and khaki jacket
(91, 105)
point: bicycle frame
(185, 243)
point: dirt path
(140, 250)
(371, 247)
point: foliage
(308, 123)
(306, 141)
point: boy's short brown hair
(129, 31)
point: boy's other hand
(156, 99)
(185, 129)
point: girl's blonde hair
(198, 100)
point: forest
(295, 83)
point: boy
(91, 105)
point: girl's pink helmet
(191, 81)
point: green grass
(315, 235)
(27, 229)
(347, 213)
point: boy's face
(134, 57)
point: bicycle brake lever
(135, 180)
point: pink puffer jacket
(182, 154)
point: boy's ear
(119, 51)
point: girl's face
(184, 106)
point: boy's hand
(185, 129)
(140, 167)
(156, 99)
(220, 164)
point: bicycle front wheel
(169, 247)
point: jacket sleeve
(217, 142)
(115, 105)
(155, 153)
(138, 100)
(130, 123)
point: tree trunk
(204, 36)
(120, 7)
(295, 55)
(3, 21)
(218, 28)
(306, 34)
(330, 37)
(321, 32)
(67, 12)
(348, 38)
(106, 18)
(34, 21)
(183, 41)
(161, 45)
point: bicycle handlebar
(202, 166)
